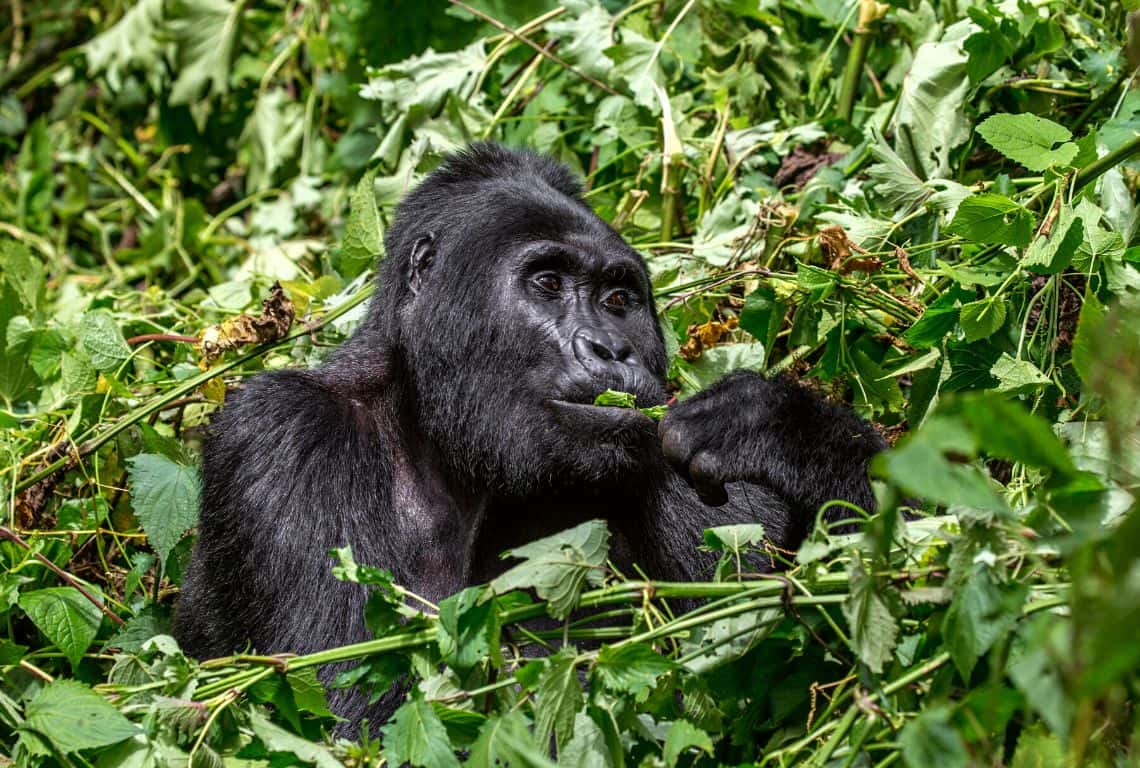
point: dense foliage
(927, 207)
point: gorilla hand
(774, 433)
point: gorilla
(459, 421)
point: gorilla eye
(618, 300)
(549, 282)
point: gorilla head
(506, 306)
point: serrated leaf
(682, 737)
(423, 82)
(308, 692)
(981, 319)
(206, 33)
(66, 617)
(1052, 254)
(74, 717)
(587, 748)
(134, 42)
(631, 668)
(1032, 141)
(991, 218)
(278, 740)
(1018, 377)
(506, 740)
(363, 232)
(101, 338)
(164, 496)
(558, 567)
(416, 736)
(931, 741)
(893, 180)
(557, 698)
(468, 628)
(980, 612)
(873, 629)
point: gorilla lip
(600, 415)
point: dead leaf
(273, 323)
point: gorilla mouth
(604, 418)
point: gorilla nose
(592, 346)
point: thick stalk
(870, 11)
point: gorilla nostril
(602, 351)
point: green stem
(1118, 156)
(869, 13)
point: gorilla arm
(294, 467)
(777, 435)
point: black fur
(444, 430)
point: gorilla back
(463, 405)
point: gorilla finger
(676, 446)
(703, 469)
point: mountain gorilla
(458, 422)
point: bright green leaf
(66, 617)
(1033, 141)
(991, 218)
(74, 717)
(164, 496)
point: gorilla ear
(420, 261)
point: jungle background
(925, 208)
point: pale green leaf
(682, 737)
(101, 338)
(558, 567)
(558, 697)
(1018, 377)
(206, 33)
(587, 748)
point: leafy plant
(926, 208)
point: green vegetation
(928, 207)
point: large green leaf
(991, 218)
(1033, 141)
(66, 617)
(207, 34)
(874, 630)
(101, 338)
(558, 697)
(73, 717)
(416, 737)
(559, 566)
(164, 495)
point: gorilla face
(546, 306)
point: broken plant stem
(870, 12)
